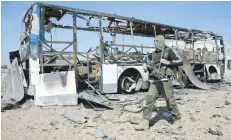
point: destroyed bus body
(227, 73)
(205, 55)
(45, 71)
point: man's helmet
(159, 42)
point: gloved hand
(164, 61)
(145, 67)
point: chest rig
(156, 56)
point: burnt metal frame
(44, 43)
(173, 32)
(117, 18)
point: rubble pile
(204, 116)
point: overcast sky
(211, 16)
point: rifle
(157, 74)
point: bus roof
(143, 28)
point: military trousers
(156, 89)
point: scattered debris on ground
(215, 131)
(193, 119)
(99, 134)
(227, 102)
(75, 115)
(53, 122)
(31, 127)
(200, 120)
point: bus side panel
(34, 46)
(227, 74)
(35, 36)
(110, 78)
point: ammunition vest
(156, 56)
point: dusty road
(204, 117)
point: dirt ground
(205, 116)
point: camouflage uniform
(159, 87)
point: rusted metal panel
(189, 72)
(96, 69)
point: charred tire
(124, 84)
(126, 79)
(120, 83)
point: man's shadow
(159, 116)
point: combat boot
(176, 114)
(143, 126)
(174, 118)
